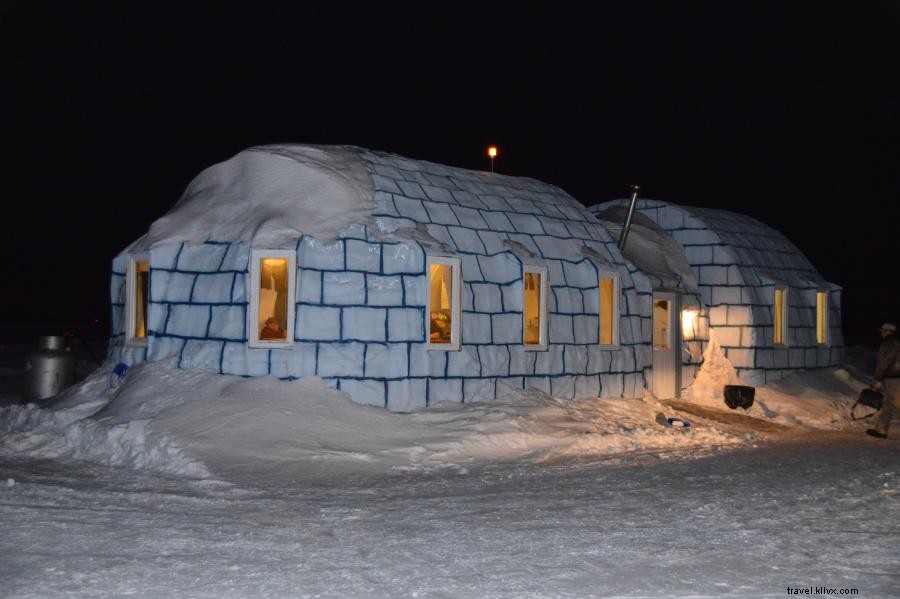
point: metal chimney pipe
(624, 235)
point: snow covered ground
(177, 483)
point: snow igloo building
(405, 283)
(769, 309)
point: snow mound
(269, 196)
(819, 399)
(266, 431)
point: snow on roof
(269, 196)
(651, 249)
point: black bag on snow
(869, 398)
(739, 396)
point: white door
(666, 383)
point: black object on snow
(739, 396)
(871, 398)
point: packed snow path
(820, 510)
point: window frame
(131, 300)
(253, 340)
(617, 313)
(544, 272)
(785, 310)
(455, 303)
(825, 329)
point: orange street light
(492, 153)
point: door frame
(669, 357)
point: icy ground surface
(823, 510)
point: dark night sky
(785, 111)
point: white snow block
(156, 318)
(587, 386)
(599, 360)
(425, 362)
(159, 282)
(239, 290)
(164, 256)
(502, 268)
(541, 383)
(161, 348)
(188, 321)
(318, 323)
(238, 360)
(202, 258)
(555, 227)
(179, 287)
(494, 361)
(575, 359)
(310, 286)
(560, 329)
(721, 255)
(740, 358)
(556, 248)
(734, 276)
(713, 275)
(344, 288)
(488, 297)
(365, 392)
(313, 253)
(521, 362)
(726, 295)
(406, 324)
(364, 324)
(550, 361)
(414, 290)
(213, 289)
(718, 316)
(562, 387)
(386, 360)
(411, 208)
(568, 300)
(492, 241)
(384, 291)
(203, 355)
(228, 322)
(497, 221)
(444, 390)
(464, 363)
(526, 223)
(739, 316)
(512, 297)
(440, 213)
(384, 184)
(405, 395)
(403, 258)
(612, 385)
(506, 328)
(729, 336)
(363, 256)
(466, 240)
(670, 217)
(795, 358)
(132, 355)
(765, 358)
(586, 329)
(508, 385)
(236, 258)
(476, 328)
(633, 385)
(340, 360)
(438, 194)
(582, 274)
(699, 254)
(479, 390)
(297, 362)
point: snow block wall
(738, 262)
(360, 300)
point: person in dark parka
(887, 379)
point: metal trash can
(49, 369)
(739, 396)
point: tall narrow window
(662, 338)
(609, 310)
(272, 292)
(534, 307)
(137, 299)
(780, 314)
(822, 317)
(444, 310)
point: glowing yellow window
(609, 310)
(137, 300)
(822, 317)
(534, 307)
(780, 316)
(443, 303)
(271, 318)
(661, 320)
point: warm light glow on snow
(689, 324)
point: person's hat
(890, 327)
